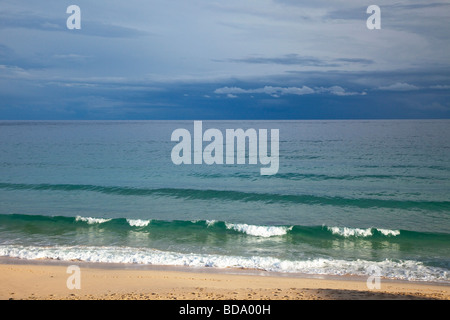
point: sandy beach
(49, 282)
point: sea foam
(138, 222)
(358, 232)
(90, 220)
(402, 269)
(259, 231)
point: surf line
(213, 153)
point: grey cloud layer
(277, 91)
(295, 59)
(25, 20)
(151, 53)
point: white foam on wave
(351, 232)
(358, 232)
(259, 231)
(138, 222)
(210, 223)
(388, 232)
(403, 270)
(90, 220)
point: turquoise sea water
(348, 195)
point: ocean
(349, 196)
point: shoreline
(47, 280)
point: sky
(234, 59)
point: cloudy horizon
(200, 59)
